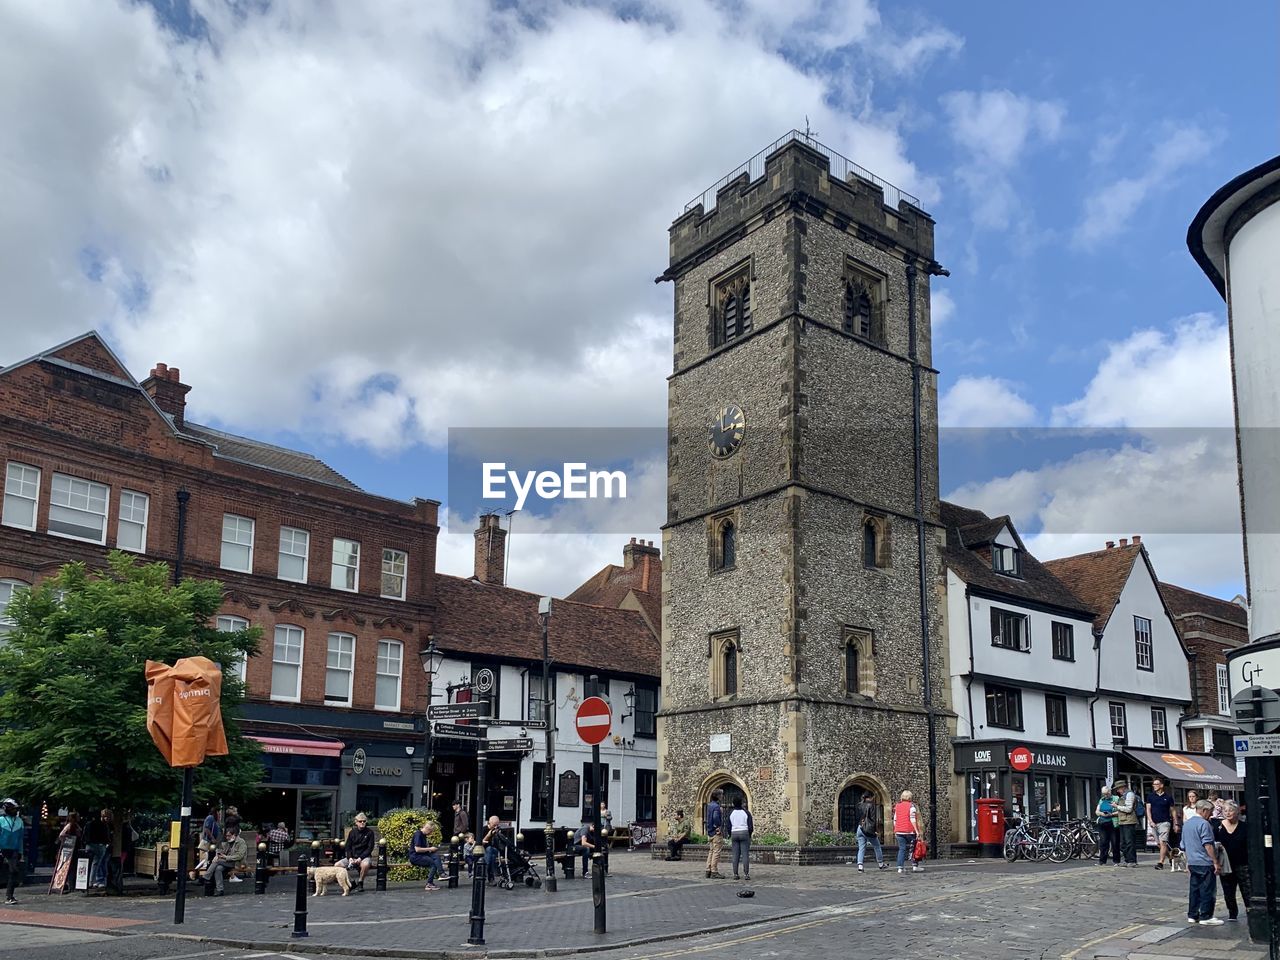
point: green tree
(73, 697)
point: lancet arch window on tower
(863, 306)
(724, 543)
(726, 656)
(875, 542)
(858, 651)
(731, 314)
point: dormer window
(1006, 560)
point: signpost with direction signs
(519, 743)
(459, 711)
(457, 731)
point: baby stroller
(515, 865)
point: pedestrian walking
(12, 834)
(740, 830)
(869, 827)
(1108, 835)
(906, 827)
(98, 837)
(1160, 818)
(1202, 866)
(1126, 810)
(715, 836)
(1233, 858)
(1189, 809)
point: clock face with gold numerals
(727, 430)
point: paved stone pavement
(989, 910)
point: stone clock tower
(802, 651)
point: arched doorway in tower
(729, 788)
(851, 795)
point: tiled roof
(613, 585)
(491, 620)
(1097, 578)
(974, 566)
(1183, 602)
(259, 454)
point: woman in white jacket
(740, 830)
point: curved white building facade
(1236, 240)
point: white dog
(1177, 860)
(327, 875)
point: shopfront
(1182, 772)
(377, 776)
(301, 781)
(1034, 779)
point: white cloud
(1108, 211)
(378, 222)
(1170, 478)
(942, 307)
(913, 53)
(1151, 378)
(984, 402)
(995, 128)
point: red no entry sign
(593, 721)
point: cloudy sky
(355, 226)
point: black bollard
(260, 874)
(570, 861)
(454, 854)
(597, 890)
(478, 883)
(300, 900)
(339, 850)
(380, 881)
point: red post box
(990, 820)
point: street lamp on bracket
(432, 658)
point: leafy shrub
(770, 840)
(824, 838)
(397, 828)
(697, 838)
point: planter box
(146, 861)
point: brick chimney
(1111, 544)
(1137, 539)
(639, 553)
(1124, 541)
(491, 549)
(166, 388)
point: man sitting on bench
(678, 837)
(229, 856)
(359, 848)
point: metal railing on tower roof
(841, 167)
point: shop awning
(314, 748)
(1194, 770)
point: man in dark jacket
(715, 836)
(461, 823)
(359, 848)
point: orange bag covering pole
(184, 718)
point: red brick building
(1210, 629)
(341, 581)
